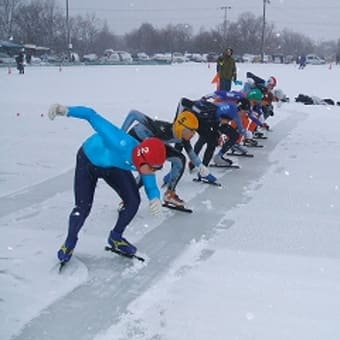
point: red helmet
(272, 81)
(151, 151)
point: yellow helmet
(185, 120)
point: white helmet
(278, 93)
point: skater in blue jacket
(110, 154)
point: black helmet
(243, 104)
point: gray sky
(319, 19)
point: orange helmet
(185, 120)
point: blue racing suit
(107, 155)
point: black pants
(225, 84)
(21, 68)
(232, 134)
(210, 138)
(85, 181)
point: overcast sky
(319, 19)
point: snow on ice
(258, 259)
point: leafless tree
(104, 40)
(8, 8)
(144, 39)
(205, 42)
(42, 22)
(38, 22)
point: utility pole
(69, 44)
(265, 2)
(225, 22)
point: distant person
(28, 58)
(20, 60)
(337, 59)
(302, 63)
(226, 68)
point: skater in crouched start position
(110, 154)
(215, 128)
(231, 128)
(179, 132)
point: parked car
(35, 60)
(47, 58)
(313, 59)
(108, 52)
(197, 57)
(110, 57)
(248, 58)
(238, 58)
(212, 57)
(5, 59)
(267, 58)
(140, 56)
(125, 57)
(258, 59)
(162, 58)
(278, 58)
(91, 57)
(289, 59)
(178, 57)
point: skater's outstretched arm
(133, 117)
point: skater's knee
(81, 211)
(77, 219)
(178, 162)
(135, 201)
(132, 203)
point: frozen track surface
(94, 306)
(36, 193)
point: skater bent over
(110, 154)
(214, 125)
(179, 132)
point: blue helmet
(226, 110)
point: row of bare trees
(43, 23)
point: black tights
(85, 181)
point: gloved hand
(238, 82)
(209, 178)
(222, 139)
(155, 206)
(57, 110)
(203, 171)
(266, 126)
(248, 134)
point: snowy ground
(258, 259)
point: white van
(125, 57)
(313, 59)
